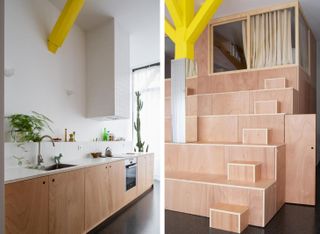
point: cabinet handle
(312, 147)
(43, 182)
(110, 166)
(106, 167)
(53, 180)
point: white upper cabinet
(108, 72)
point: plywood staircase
(232, 167)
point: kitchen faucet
(40, 158)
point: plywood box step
(229, 217)
(275, 83)
(266, 107)
(255, 136)
(248, 171)
(218, 180)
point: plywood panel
(191, 129)
(266, 107)
(255, 136)
(284, 96)
(275, 124)
(265, 155)
(230, 103)
(192, 105)
(300, 159)
(244, 171)
(270, 206)
(248, 80)
(275, 83)
(190, 198)
(281, 175)
(233, 218)
(218, 129)
(204, 104)
(167, 107)
(201, 53)
(26, 207)
(167, 87)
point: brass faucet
(40, 158)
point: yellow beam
(64, 24)
(187, 8)
(170, 31)
(202, 18)
(175, 12)
(187, 26)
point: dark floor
(142, 217)
(291, 219)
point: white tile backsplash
(71, 151)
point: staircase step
(266, 107)
(275, 83)
(248, 171)
(229, 217)
(255, 136)
(191, 129)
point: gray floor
(142, 217)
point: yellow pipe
(64, 24)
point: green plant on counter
(137, 125)
(27, 128)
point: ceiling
(131, 15)
(311, 9)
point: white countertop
(15, 174)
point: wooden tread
(248, 171)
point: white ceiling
(311, 9)
(133, 15)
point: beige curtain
(244, 40)
(304, 44)
(271, 42)
(191, 68)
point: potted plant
(27, 128)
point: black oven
(131, 173)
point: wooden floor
(142, 217)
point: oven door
(131, 176)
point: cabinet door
(96, 195)
(149, 168)
(116, 185)
(141, 177)
(66, 202)
(26, 205)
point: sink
(58, 166)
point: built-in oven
(131, 173)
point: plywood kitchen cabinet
(144, 173)
(104, 192)
(96, 195)
(116, 179)
(108, 72)
(66, 202)
(26, 205)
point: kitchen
(89, 170)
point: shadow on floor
(142, 217)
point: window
(147, 82)
(230, 46)
(304, 44)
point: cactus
(137, 124)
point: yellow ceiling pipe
(188, 27)
(64, 24)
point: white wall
(144, 48)
(1, 114)
(41, 79)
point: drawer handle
(43, 182)
(110, 166)
(53, 180)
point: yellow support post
(187, 26)
(64, 24)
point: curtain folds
(271, 39)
